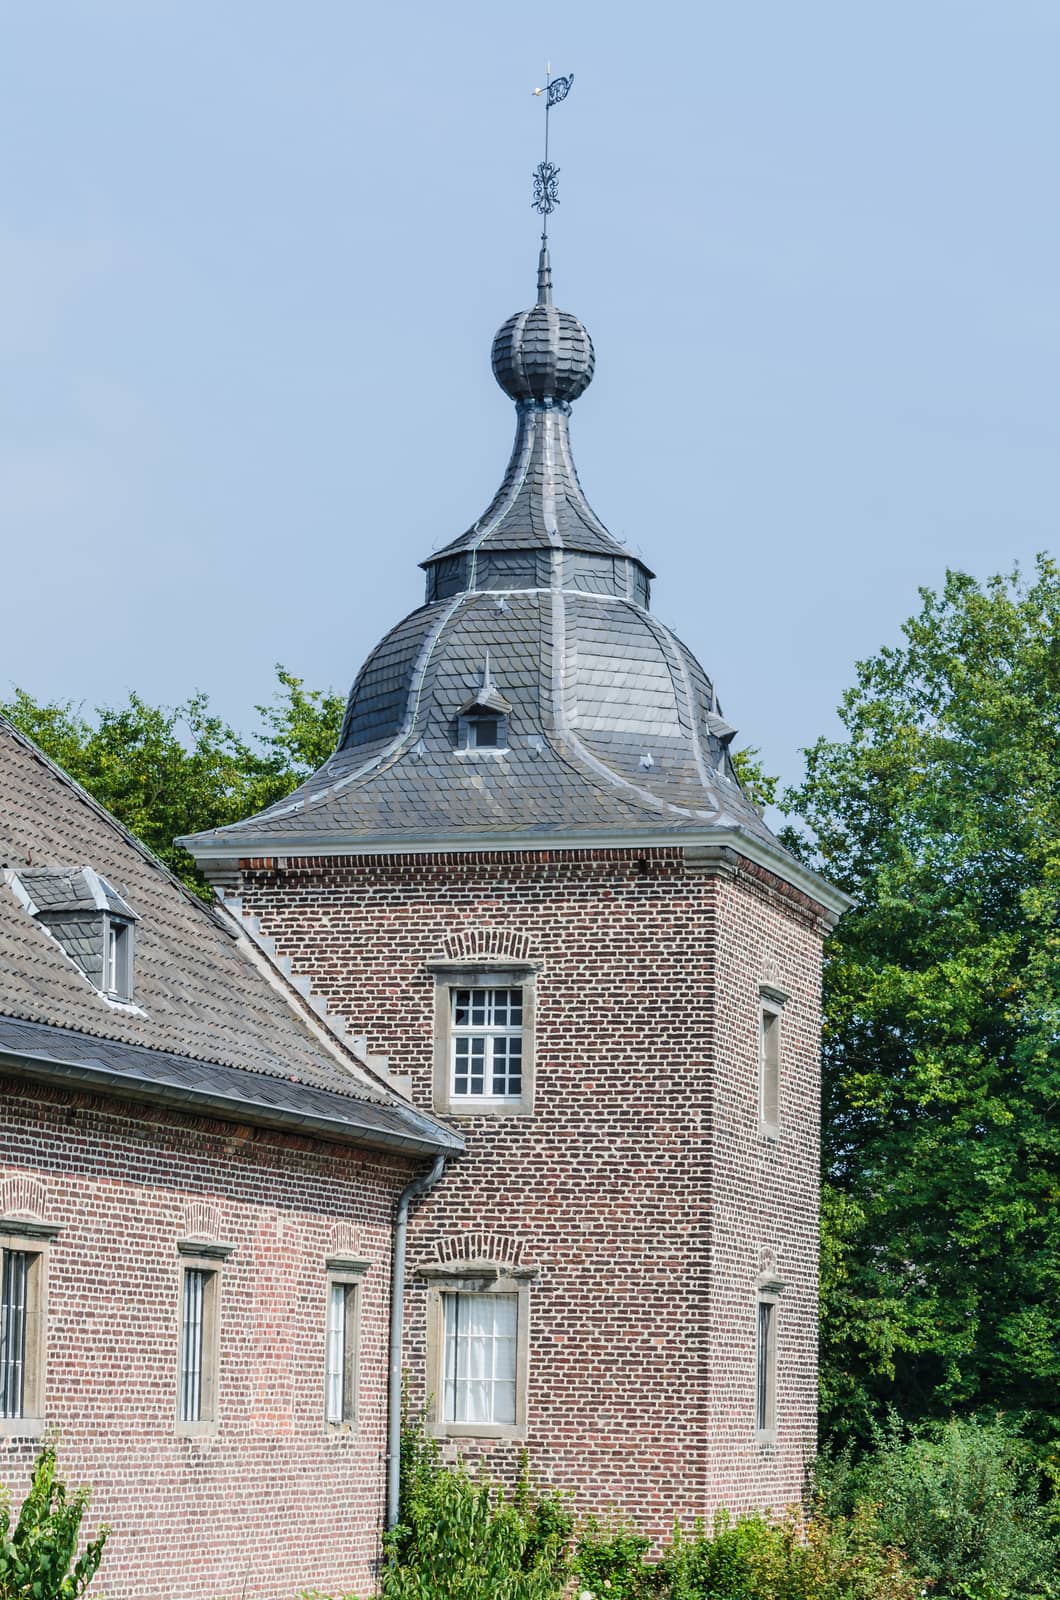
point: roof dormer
(87, 917)
(482, 721)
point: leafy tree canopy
(170, 770)
(940, 813)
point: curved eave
(232, 848)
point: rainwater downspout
(418, 1186)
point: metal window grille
(192, 1344)
(340, 1395)
(480, 1357)
(13, 1300)
(764, 1385)
(487, 1034)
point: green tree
(170, 770)
(940, 813)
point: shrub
(461, 1538)
(609, 1563)
(756, 1559)
(962, 1499)
(38, 1557)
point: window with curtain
(480, 1342)
(340, 1383)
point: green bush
(38, 1557)
(461, 1538)
(753, 1558)
(609, 1562)
(962, 1499)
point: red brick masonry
(274, 1502)
(642, 1189)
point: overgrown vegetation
(38, 1555)
(962, 1498)
(462, 1538)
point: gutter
(228, 1108)
(419, 1186)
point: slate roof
(204, 1008)
(614, 728)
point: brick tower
(529, 875)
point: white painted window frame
(492, 974)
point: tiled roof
(132, 1072)
(200, 993)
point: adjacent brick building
(198, 1183)
(531, 876)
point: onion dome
(533, 698)
(543, 354)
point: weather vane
(546, 176)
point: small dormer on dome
(482, 721)
(87, 917)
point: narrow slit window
(197, 1379)
(769, 1069)
(765, 1397)
(341, 1395)
(14, 1316)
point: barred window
(198, 1359)
(487, 1043)
(14, 1308)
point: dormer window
(482, 721)
(87, 917)
(117, 958)
(484, 731)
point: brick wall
(274, 1502)
(641, 1189)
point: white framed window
(478, 1328)
(342, 1343)
(117, 958)
(23, 1325)
(486, 1035)
(484, 1040)
(199, 1336)
(480, 1335)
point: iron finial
(546, 174)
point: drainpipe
(417, 1187)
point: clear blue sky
(252, 256)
